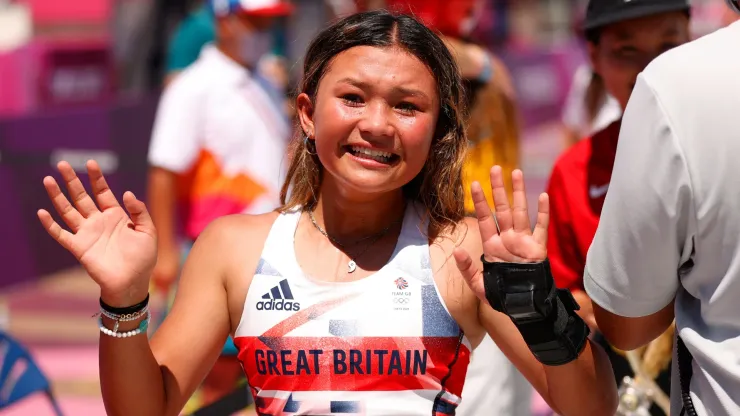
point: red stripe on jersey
(354, 363)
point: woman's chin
(370, 182)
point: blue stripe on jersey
(291, 406)
(264, 268)
(344, 407)
(435, 319)
(343, 328)
(444, 407)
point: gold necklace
(352, 265)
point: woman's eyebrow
(404, 91)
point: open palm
(116, 250)
(507, 235)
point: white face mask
(253, 46)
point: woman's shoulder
(239, 230)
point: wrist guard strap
(544, 314)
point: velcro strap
(568, 300)
(559, 339)
(524, 291)
(544, 314)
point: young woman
(348, 299)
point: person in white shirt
(219, 144)
(668, 243)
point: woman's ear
(304, 108)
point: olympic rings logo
(402, 301)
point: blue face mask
(253, 46)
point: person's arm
(117, 246)
(477, 63)
(582, 387)
(585, 384)
(469, 58)
(645, 235)
(162, 200)
(174, 148)
(142, 378)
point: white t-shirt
(575, 116)
(674, 200)
(218, 127)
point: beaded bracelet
(123, 318)
(141, 329)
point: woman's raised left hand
(507, 234)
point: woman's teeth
(376, 155)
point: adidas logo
(279, 298)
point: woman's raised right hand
(117, 250)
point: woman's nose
(377, 121)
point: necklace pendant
(351, 266)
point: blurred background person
(218, 147)
(666, 249)
(589, 107)
(492, 385)
(622, 40)
(196, 30)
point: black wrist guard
(544, 314)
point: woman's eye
(408, 108)
(352, 99)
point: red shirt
(577, 189)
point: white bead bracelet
(141, 329)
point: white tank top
(383, 345)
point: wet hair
(438, 187)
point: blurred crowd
(224, 81)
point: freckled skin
(382, 97)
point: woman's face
(373, 119)
(626, 48)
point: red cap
(445, 16)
